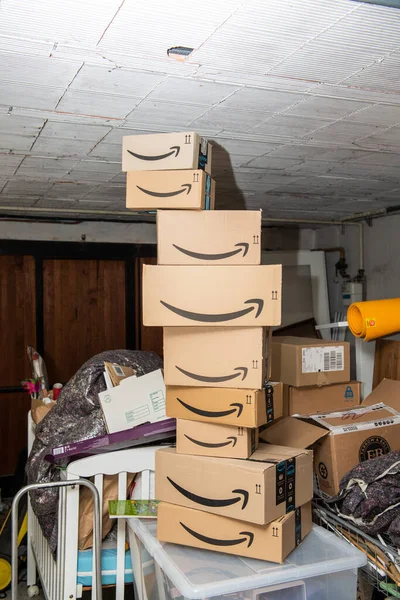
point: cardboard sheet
(135, 401)
(223, 237)
(272, 542)
(151, 190)
(215, 356)
(312, 399)
(204, 296)
(272, 482)
(161, 151)
(225, 406)
(209, 439)
(306, 361)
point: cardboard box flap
(292, 431)
(362, 417)
(275, 453)
(388, 391)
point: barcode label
(59, 450)
(118, 371)
(322, 359)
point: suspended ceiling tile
(29, 96)
(289, 126)
(148, 29)
(384, 139)
(326, 108)
(26, 46)
(61, 147)
(190, 91)
(73, 21)
(106, 151)
(344, 132)
(16, 201)
(230, 120)
(381, 158)
(379, 114)
(342, 155)
(382, 74)
(254, 38)
(324, 62)
(269, 162)
(74, 131)
(14, 142)
(27, 187)
(289, 84)
(359, 93)
(88, 176)
(109, 80)
(164, 113)
(37, 70)
(97, 165)
(298, 151)
(69, 190)
(373, 27)
(31, 172)
(11, 123)
(310, 167)
(266, 100)
(244, 148)
(97, 105)
(10, 161)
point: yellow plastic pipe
(374, 318)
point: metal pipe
(96, 530)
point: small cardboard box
(306, 361)
(272, 542)
(340, 440)
(224, 406)
(135, 401)
(161, 151)
(151, 190)
(209, 439)
(223, 237)
(215, 356)
(245, 296)
(312, 399)
(272, 482)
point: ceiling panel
(302, 100)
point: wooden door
(17, 327)
(387, 361)
(84, 312)
(150, 338)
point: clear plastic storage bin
(323, 567)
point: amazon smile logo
(242, 371)
(231, 440)
(258, 305)
(186, 187)
(248, 537)
(241, 247)
(174, 150)
(213, 502)
(211, 414)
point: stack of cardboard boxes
(215, 301)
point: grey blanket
(76, 416)
(369, 496)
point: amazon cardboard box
(223, 237)
(166, 151)
(272, 542)
(272, 482)
(215, 356)
(151, 190)
(340, 440)
(209, 439)
(307, 361)
(312, 399)
(224, 406)
(248, 296)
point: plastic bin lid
(199, 574)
